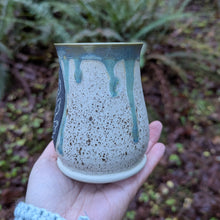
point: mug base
(102, 178)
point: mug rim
(100, 44)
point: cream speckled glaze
(100, 123)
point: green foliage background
(26, 24)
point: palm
(48, 188)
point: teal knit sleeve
(25, 211)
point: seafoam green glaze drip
(65, 72)
(78, 72)
(129, 67)
(110, 64)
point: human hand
(50, 189)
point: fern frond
(160, 22)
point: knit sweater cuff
(25, 211)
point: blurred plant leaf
(192, 55)
(106, 33)
(171, 63)
(3, 79)
(5, 50)
(183, 5)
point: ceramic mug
(100, 128)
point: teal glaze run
(109, 54)
(110, 64)
(129, 68)
(78, 72)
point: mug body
(100, 128)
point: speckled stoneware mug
(100, 126)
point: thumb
(49, 152)
(153, 158)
